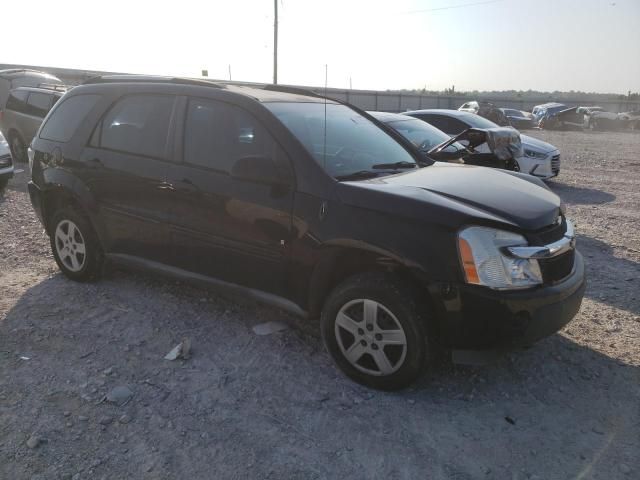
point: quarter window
(138, 124)
(67, 116)
(217, 134)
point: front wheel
(75, 245)
(375, 330)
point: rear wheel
(18, 148)
(75, 245)
(375, 330)
(3, 183)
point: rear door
(221, 226)
(126, 166)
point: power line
(450, 7)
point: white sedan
(539, 158)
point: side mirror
(258, 169)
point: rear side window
(38, 104)
(67, 116)
(138, 124)
(217, 134)
(17, 101)
(446, 124)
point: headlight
(533, 154)
(484, 263)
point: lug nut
(369, 327)
(374, 346)
(360, 331)
(378, 336)
(363, 343)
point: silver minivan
(23, 113)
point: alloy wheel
(70, 245)
(370, 337)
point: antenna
(275, 42)
(324, 155)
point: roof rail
(53, 86)
(150, 79)
(295, 90)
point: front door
(235, 230)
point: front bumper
(477, 318)
(545, 168)
(6, 173)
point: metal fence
(381, 100)
(401, 102)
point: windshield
(514, 113)
(423, 135)
(476, 121)
(353, 143)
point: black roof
(268, 93)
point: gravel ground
(248, 406)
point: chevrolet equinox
(309, 204)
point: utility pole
(275, 42)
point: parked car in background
(487, 110)
(437, 145)
(23, 113)
(597, 118)
(471, 107)
(631, 119)
(14, 78)
(309, 204)
(6, 163)
(518, 119)
(539, 158)
(545, 111)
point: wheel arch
(64, 189)
(342, 259)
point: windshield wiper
(359, 175)
(395, 165)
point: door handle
(166, 186)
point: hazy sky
(590, 45)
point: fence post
(348, 99)
(399, 102)
(376, 101)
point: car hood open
(492, 194)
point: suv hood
(531, 143)
(444, 190)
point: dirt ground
(248, 406)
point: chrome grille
(555, 164)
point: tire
(393, 307)
(3, 183)
(18, 148)
(75, 245)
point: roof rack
(295, 90)
(53, 86)
(150, 79)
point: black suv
(311, 205)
